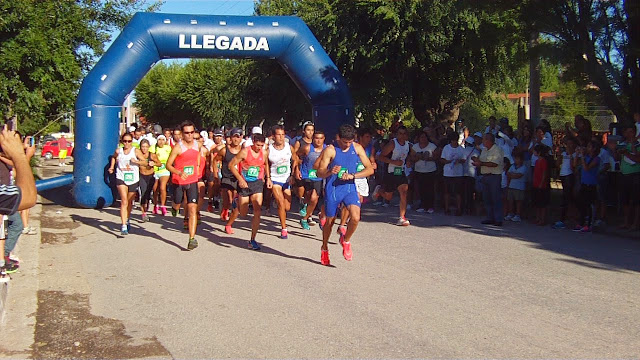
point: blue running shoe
(303, 210)
(254, 245)
(305, 224)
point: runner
(280, 159)
(213, 182)
(147, 179)
(298, 184)
(206, 160)
(364, 139)
(339, 164)
(127, 178)
(395, 153)
(252, 162)
(312, 183)
(228, 184)
(184, 163)
(161, 175)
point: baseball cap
(132, 128)
(218, 132)
(470, 140)
(478, 134)
(204, 134)
(236, 131)
(162, 137)
(256, 130)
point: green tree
(46, 47)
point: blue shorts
(334, 195)
(284, 185)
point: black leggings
(146, 186)
(568, 198)
(425, 182)
(588, 195)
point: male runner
(312, 183)
(228, 184)
(395, 153)
(298, 185)
(184, 163)
(340, 165)
(251, 162)
(281, 155)
(213, 182)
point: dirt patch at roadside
(65, 328)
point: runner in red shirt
(253, 161)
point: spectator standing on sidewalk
(491, 163)
(62, 150)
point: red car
(50, 149)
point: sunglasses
(188, 132)
(126, 141)
(196, 138)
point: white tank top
(280, 161)
(400, 152)
(127, 171)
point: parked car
(50, 150)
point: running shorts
(229, 184)
(191, 191)
(346, 194)
(255, 187)
(62, 154)
(391, 183)
(313, 185)
(132, 187)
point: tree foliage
(46, 47)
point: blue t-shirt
(520, 183)
(348, 161)
(590, 177)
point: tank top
(187, 162)
(306, 169)
(127, 171)
(400, 152)
(367, 151)
(163, 155)
(348, 162)
(252, 167)
(280, 163)
(228, 156)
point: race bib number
(313, 174)
(397, 171)
(188, 170)
(253, 171)
(282, 169)
(341, 172)
(129, 177)
(360, 167)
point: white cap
(204, 134)
(256, 130)
(162, 137)
(132, 128)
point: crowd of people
(498, 173)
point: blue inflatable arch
(150, 37)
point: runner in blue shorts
(339, 165)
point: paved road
(444, 287)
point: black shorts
(191, 191)
(540, 197)
(391, 183)
(132, 187)
(229, 183)
(453, 185)
(313, 185)
(255, 187)
(297, 183)
(630, 187)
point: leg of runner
(256, 200)
(312, 201)
(344, 217)
(163, 194)
(202, 190)
(326, 233)
(191, 209)
(156, 197)
(283, 207)
(227, 199)
(354, 220)
(241, 210)
(123, 191)
(402, 190)
(130, 197)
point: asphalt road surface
(443, 287)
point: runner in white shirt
(282, 159)
(127, 178)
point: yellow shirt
(494, 155)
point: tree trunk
(534, 79)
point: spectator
(493, 127)
(20, 196)
(629, 155)
(589, 162)
(490, 162)
(425, 171)
(469, 176)
(582, 130)
(62, 150)
(541, 192)
(568, 180)
(452, 159)
(517, 176)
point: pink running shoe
(156, 208)
(346, 251)
(224, 215)
(324, 258)
(323, 220)
(163, 209)
(342, 230)
(228, 229)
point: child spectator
(517, 176)
(568, 180)
(452, 160)
(590, 162)
(540, 186)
